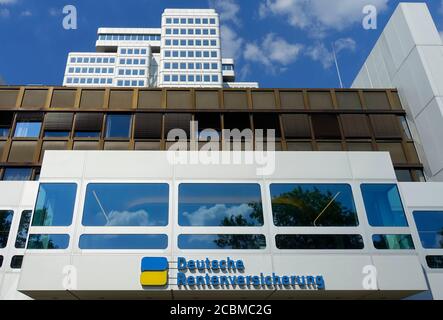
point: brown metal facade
(304, 120)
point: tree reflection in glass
(313, 205)
(220, 204)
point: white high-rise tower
(184, 52)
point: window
(123, 241)
(313, 205)
(55, 205)
(383, 205)
(435, 262)
(319, 241)
(48, 241)
(126, 205)
(393, 241)
(222, 241)
(5, 226)
(23, 228)
(17, 174)
(16, 262)
(229, 204)
(1, 261)
(118, 126)
(430, 228)
(27, 129)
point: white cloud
(26, 13)
(319, 52)
(127, 218)
(231, 42)
(319, 15)
(215, 214)
(228, 10)
(274, 52)
(4, 13)
(7, 2)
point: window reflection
(222, 241)
(435, 262)
(5, 226)
(393, 241)
(313, 205)
(224, 204)
(27, 129)
(16, 262)
(55, 204)
(48, 241)
(118, 126)
(126, 205)
(23, 228)
(319, 241)
(383, 205)
(430, 228)
(123, 241)
(17, 174)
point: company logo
(154, 271)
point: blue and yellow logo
(154, 271)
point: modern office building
(408, 57)
(184, 52)
(95, 205)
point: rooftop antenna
(336, 65)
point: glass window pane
(5, 226)
(55, 205)
(393, 241)
(430, 228)
(319, 241)
(435, 262)
(1, 261)
(16, 262)
(118, 126)
(27, 129)
(48, 241)
(222, 241)
(123, 241)
(126, 205)
(224, 204)
(17, 174)
(313, 205)
(23, 228)
(383, 205)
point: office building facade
(184, 52)
(191, 192)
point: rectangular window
(393, 242)
(319, 241)
(48, 241)
(224, 204)
(55, 205)
(17, 174)
(5, 226)
(27, 129)
(166, 78)
(126, 205)
(313, 205)
(1, 261)
(222, 241)
(16, 262)
(430, 228)
(383, 205)
(123, 241)
(23, 228)
(435, 262)
(118, 126)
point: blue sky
(279, 43)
